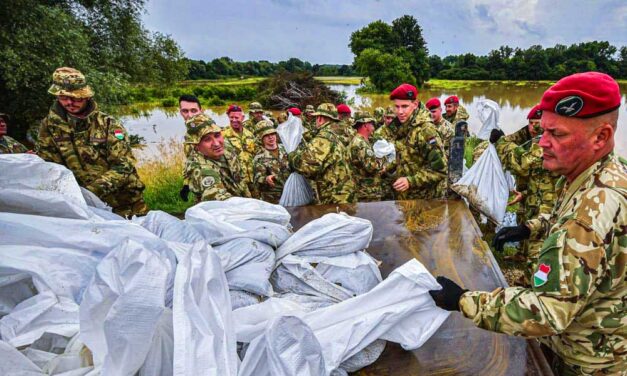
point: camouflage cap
(363, 117)
(389, 111)
(71, 83)
(379, 111)
(255, 107)
(265, 127)
(328, 110)
(199, 126)
(309, 108)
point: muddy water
(159, 124)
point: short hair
(189, 98)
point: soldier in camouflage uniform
(271, 166)
(255, 115)
(325, 160)
(213, 170)
(454, 111)
(379, 112)
(576, 305)
(242, 142)
(367, 169)
(422, 163)
(344, 127)
(309, 122)
(7, 144)
(442, 125)
(92, 144)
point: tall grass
(163, 177)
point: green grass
(340, 80)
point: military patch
(569, 106)
(208, 181)
(432, 141)
(118, 134)
(542, 275)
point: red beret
(405, 91)
(534, 113)
(452, 100)
(343, 109)
(294, 111)
(234, 108)
(433, 103)
(582, 95)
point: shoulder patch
(118, 134)
(208, 181)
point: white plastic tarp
(296, 190)
(489, 112)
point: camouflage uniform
(245, 146)
(446, 131)
(344, 130)
(310, 125)
(251, 123)
(211, 179)
(271, 162)
(9, 145)
(325, 160)
(379, 112)
(576, 306)
(366, 167)
(94, 147)
(460, 115)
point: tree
(385, 70)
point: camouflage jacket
(446, 131)
(343, 130)
(576, 304)
(96, 149)
(366, 170)
(251, 125)
(461, 114)
(325, 161)
(245, 146)
(268, 163)
(215, 179)
(423, 161)
(9, 145)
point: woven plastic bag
(384, 149)
(296, 191)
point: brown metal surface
(445, 238)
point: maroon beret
(405, 91)
(433, 103)
(294, 111)
(582, 95)
(534, 113)
(343, 109)
(452, 100)
(234, 108)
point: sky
(319, 31)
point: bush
(169, 102)
(215, 101)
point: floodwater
(158, 125)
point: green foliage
(469, 147)
(169, 102)
(103, 39)
(384, 70)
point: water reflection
(515, 99)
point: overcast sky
(318, 31)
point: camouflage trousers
(559, 367)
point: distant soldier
(344, 127)
(213, 170)
(442, 125)
(92, 144)
(422, 166)
(271, 166)
(454, 111)
(241, 141)
(255, 115)
(576, 304)
(7, 144)
(378, 116)
(388, 132)
(189, 106)
(325, 160)
(367, 169)
(309, 122)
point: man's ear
(602, 135)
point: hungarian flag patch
(118, 134)
(542, 275)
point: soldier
(295, 111)
(325, 160)
(367, 169)
(309, 122)
(422, 166)
(92, 144)
(189, 106)
(344, 127)
(255, 115)
(271, 166)
(454, 111)
(379, 112)
(213, 170)
(241, 141)
(576, 305)
(7, 144)
(442, 125)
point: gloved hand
(495, 135)
(510, 234)
(184, 193)
(448, 297)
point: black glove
(448, 297)
(184, 193)
(495, 135)
(510, 234)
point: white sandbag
(94, 201)
(489, 112)
(240, 299)
(365, 357)
(357, 272)
(123, 305)
(296, 190)
(168, 227)
(204, 337)
(248, 264)
(485, 186)
(15, 287)
(333, 234)
(160, 358)
(15, 363)
(288, 347)
(45, 203)
(384, 149)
